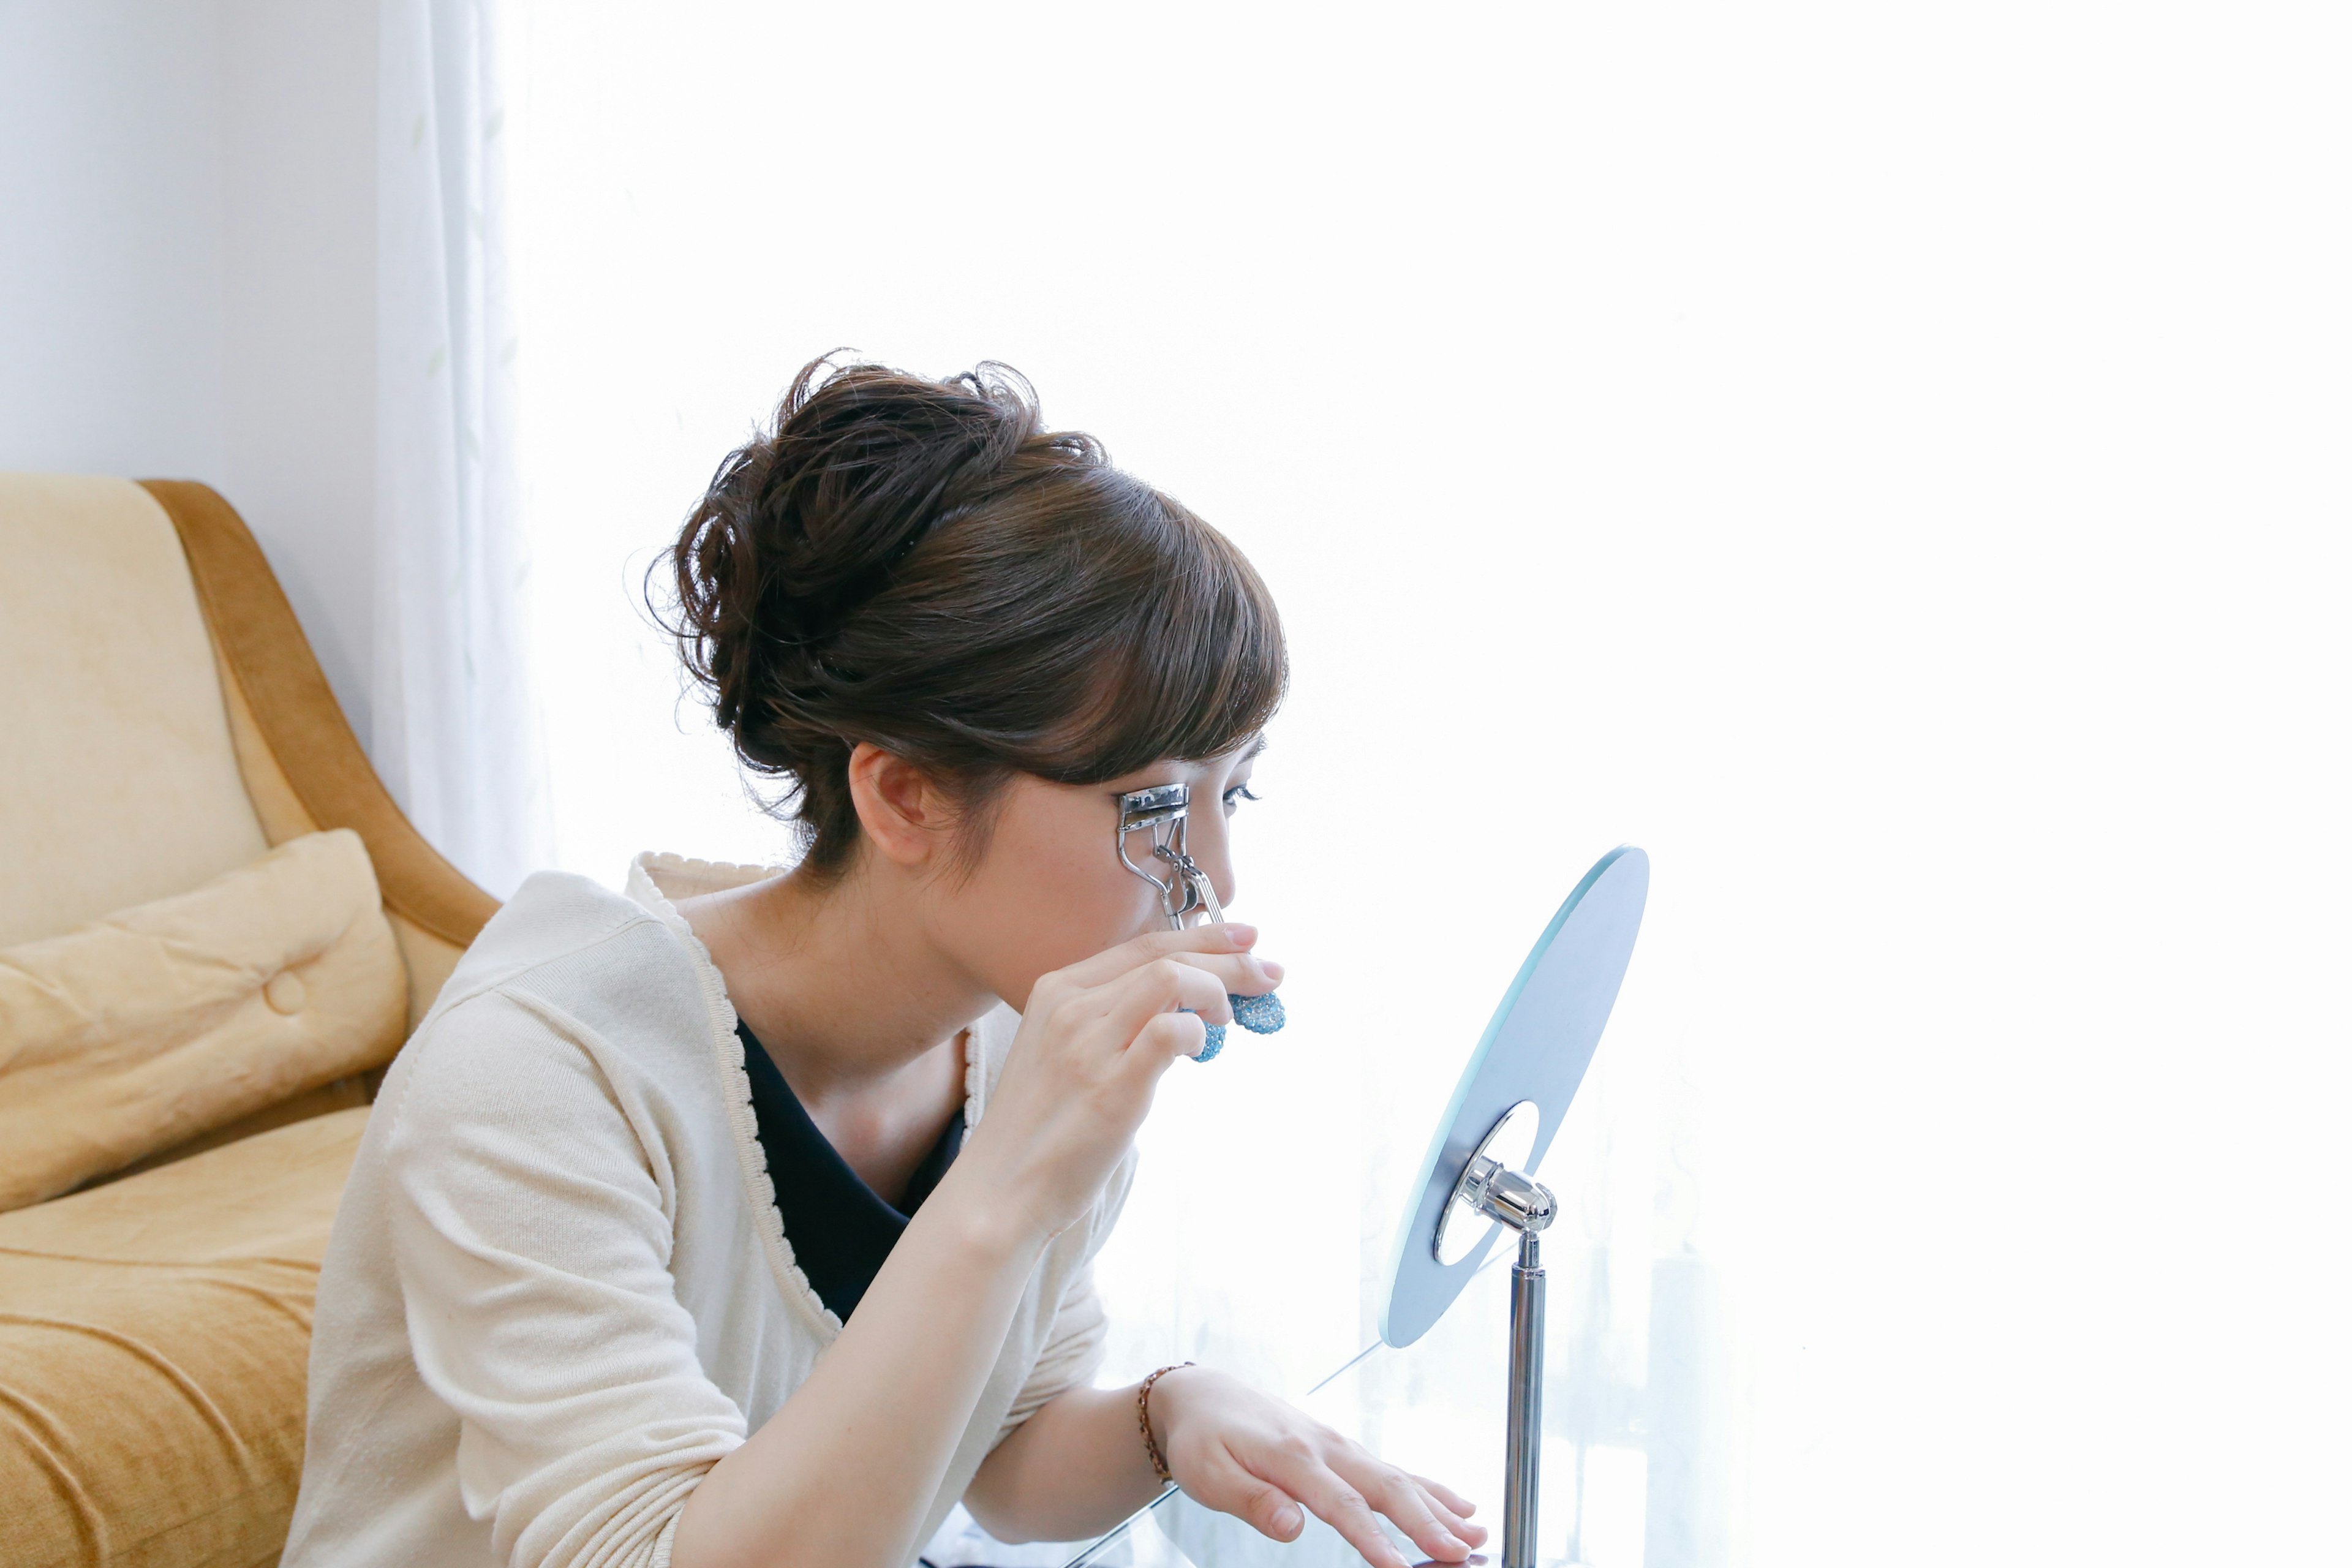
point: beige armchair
(163, 723)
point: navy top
(840, 1228)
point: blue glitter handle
(1258, 1014)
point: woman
(742, 1220)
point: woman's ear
(903, 811)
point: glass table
(1436, 1408)
(1361, 1398)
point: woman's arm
(1078, 1466)
(1069, 1472)
(845, 1470)
(843, 1474)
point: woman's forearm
(1073, 1469)
(843, 1474)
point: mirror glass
(1536, 1047)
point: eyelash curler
(1162, 812)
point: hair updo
(923, 565)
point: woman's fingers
(1452, 1509)
(1244, 974)
(1229, 1487)
(1346, 1487)
(1446, 1495)
(1463, 1529)
(1300, 1471)
(1162, 986)
(1167, 1036)
(1432, 1526)
(1206, 941)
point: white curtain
(713, 196)
(456, 733)
(1885, 461)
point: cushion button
(285, 993)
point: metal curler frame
(1163, 811)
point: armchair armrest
(302, 765)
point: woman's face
(1049, 890)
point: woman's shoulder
(570, 967)
(563, 933)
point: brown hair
(923, 565)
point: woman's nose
(1212, 852)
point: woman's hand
(1247, 1454)
(1094, 1041)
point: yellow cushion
(154, 1338)
(145, 1028)
(118, 779)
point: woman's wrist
(1164, 1409)
(973, 1208)
(1012, 1198)
(1151, 1445)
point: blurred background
(1889, 463)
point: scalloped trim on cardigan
(727, 1050)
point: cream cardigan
(558, 1289)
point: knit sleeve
(1073, 1349)
(1070, 1357)
(531, 1227)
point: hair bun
(863, 464)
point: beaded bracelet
(1143, 1419)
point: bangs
(922, 566)
(1128, 632)
(1202, 670)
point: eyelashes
(1238, 794)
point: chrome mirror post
(1491, 1188)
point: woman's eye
(1237, 795)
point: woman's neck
(840, 981)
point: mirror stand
(1491, 1189)
(1523, 1452)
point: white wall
(187, 289)
(298, 130)
(111, 237)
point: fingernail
(1285, 1520)
(1272, 970)
(1239, 935)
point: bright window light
(1889, 463)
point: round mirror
(1536, 1049)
